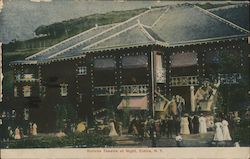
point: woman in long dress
(184, 126)
(218, 136)
(195, 122)
(225, 130)
(112, 129)
(202, 125)
(34, 129)
(17, 134)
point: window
(160, 70)
(64, 89)
(105, 64)
(15, 92)
(28, 76)
(82, 70)
(42, 91)
(26, 114)
(26, 91)
(135, 61)
(18, 76)
(80, 97)
(184, 59)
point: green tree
(65, 114)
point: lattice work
(105, 90)
(130, 90)
(161, 76)
(184, 81)
(232, 78)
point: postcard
(124, 79)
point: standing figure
(202, 124)
(177, 125)
(30, 130)
(141, 129)
(11, 133)
(184, 126)
(1, 129)
(17, 134)
(170, 126)
(158, 127)
(163, 127)
(120, 128)
(195, 122)
(225, 130)
(218, 136)
(190, 124)
(153, 135)
(112, 129)
(130, 128)
(34, 129)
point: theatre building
(162, 52)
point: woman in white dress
(225, 130)
(112, 129)
(34, 129)
(202, 124)
(184, 126)
(218, 136)
(17, 134)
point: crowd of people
(9, 129)
(174, 126)
(170, 126)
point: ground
(193, 140)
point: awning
(134, 103)
(184, 59)
(135, 61)
(104, 64)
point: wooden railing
(105, 90)
(26, 78)
(184, 81)
(125, 90)
(134, 90)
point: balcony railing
(105, 90)
(184, 81)
(134, 90)
(26, 78)
(125, 90)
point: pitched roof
(185, 23)
(168, 25)
(238, 14)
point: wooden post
(152, 83)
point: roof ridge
(208, 40)
(53, 46)
(228, 7)
(158, 19)
(105, 31)
(120, 46)
(221, 19)
(144, 31)
(68, 39)
(111, 36)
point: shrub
(73, 140)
